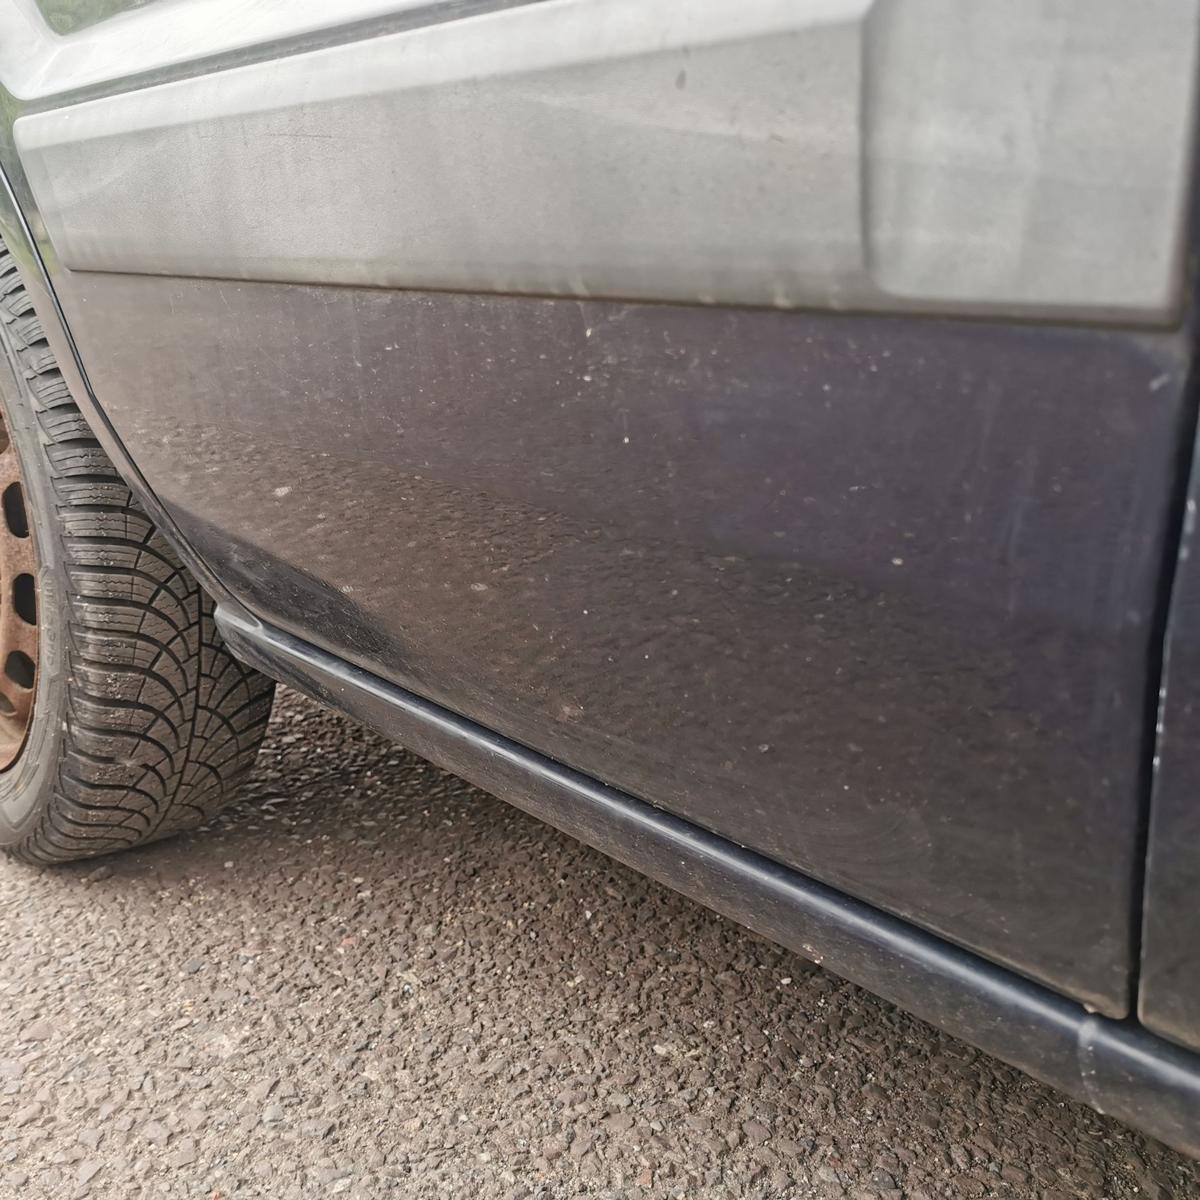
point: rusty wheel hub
(18, 607)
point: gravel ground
(370, 979)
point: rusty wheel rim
(18, 606)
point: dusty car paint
(913, 155)
(1011, 642)
(842, 589)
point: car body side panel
(873, 596)
(898, 155)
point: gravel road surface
(370, 979)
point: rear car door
(771, 409)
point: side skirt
(1117, 1067)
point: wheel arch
(15, 228)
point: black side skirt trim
(1115, 1066)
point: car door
(770, 409)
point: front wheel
(123, 718)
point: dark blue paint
(872, 596)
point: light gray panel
(901, 154)
(1033, 150)
(36, 62)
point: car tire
(123, 718)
